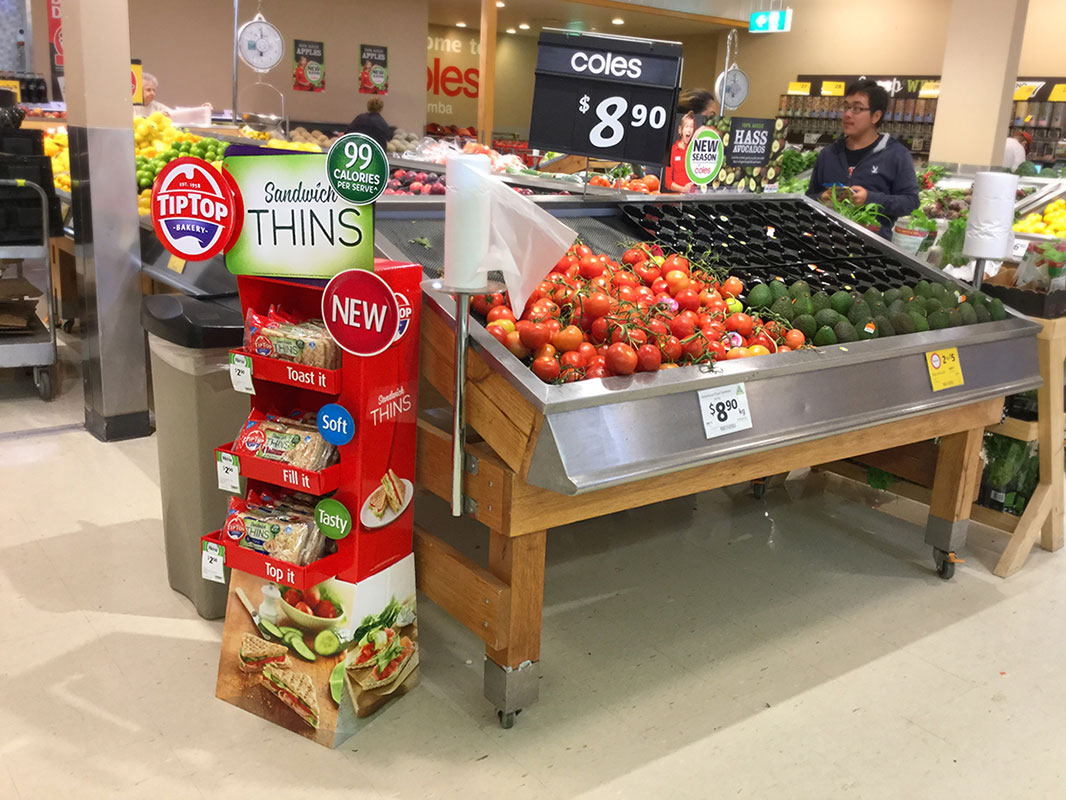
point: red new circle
(193, 210)
(360, 312)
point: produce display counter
(535, 184)
(535, 467)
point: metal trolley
(36, 346)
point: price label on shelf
(811, 138)
(945, 369)
(1018, 249)
(240, 373)
(724, 410)
(213, 562)
(605, 97)
(229, 472)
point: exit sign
(778, 21)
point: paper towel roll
(989, 231)
(467, 207)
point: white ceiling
(560, 14)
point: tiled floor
(796, 647)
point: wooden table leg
(1051, 424)
(954, 490)
(511, 672)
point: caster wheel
(68, 326)
(43, 379)
(945, 563)
(507, 720)
(758, 489)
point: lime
(336, 682)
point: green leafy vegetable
(951, 244)
(879, 479)
(866, 215)
(421, 240)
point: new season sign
(292, 223)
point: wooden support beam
(467, 591)
(1025, 535)
(1051, 345)
(519, 562)
(487, 70)
(958, 468)
(913, 462)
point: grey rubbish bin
(196, 409)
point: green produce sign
(293, 223)
(704, 156)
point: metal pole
(236, 30)
(978, 273)
(585, 183)
(462, 333)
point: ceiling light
(500, 4)
(524, 26)
(618, 21)
(511, 30)
(460, 24)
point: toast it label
(193, 209)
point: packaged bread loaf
(278, 335)
(279, 532)
(286, 440)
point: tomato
(553, 325)
(480, 304)
(717, 307)
(688, 300)
(676, 280)
(652, 182)
(292, 597)
(649, 358)
(572, 359)
(534, 335)
(599, 329)
(546, 368)
(564, 264)
(581, 250)
(741, 323)
(596, 371)
(500, 313)
(763, 341)
(738, 352)
(547, 350)
(660, 286)
(514, 344)
(708, 296)
(586, 350)
(596, 304)
(784, 349)
(732, 287)
(696, 348)
(302, 606)
(671, 348)
(601, 283)
(326, 609)
(633, 256)
(628, 293)
(499, 333)
(674, 261)
(571, 374)
(682, 326)
(621, 359)
(658, 327)
(774, 329)
(564, 295)
(795, 339)
(590, 267)
(598, 360)
(648, 273)
(634, 337)
(758, 350)
(568, 338)
(732, 305)
(717, 349)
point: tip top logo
(404, 306)
(234, 528)
(704, 157)
(193, 209)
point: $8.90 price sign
(724, 410)
(606, 97)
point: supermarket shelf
(1015, 429)
(279, 474)
(27, 348)
(327, 381)
(243, 559)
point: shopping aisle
(796, 647)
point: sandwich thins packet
(282, 533)
(277, 335)
(286, 440)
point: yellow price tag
(799, 87)
(13, 86)
(832, 88)
(1024, 92)
(176, 264)
(1058, 93)
(945, 369)
(929, 90)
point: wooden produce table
(503, 604)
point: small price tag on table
(229, 472)
(1018, 249)
(213, 562)
(240, 373)
(724, 410)
(945, 369)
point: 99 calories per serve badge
(357, 168)
(193, 209)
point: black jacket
(886, 173)
(374, 126)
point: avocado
(891, 296)
(841, 302)
(954, 318)
(798, 288)
(938, 320)
(783, 308)
(827, 317)
(759, 296)
(917, 304)
(819, 301)
(866, 329)
(872, 296)
(968, 314)
(845, 332)
(778, 289)
(931, 305)
(896, 307)
(920, 322)
(978, 298)
(923, 289)
(983, 314)
(996, 309)
(878, 309)
(803, 305)
(884, 326)
(824, 337)
(940, 292)
(859, 311)
(906, 292)
(902, 322)
(805, 323)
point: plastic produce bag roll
(989, 231)
(467, 211)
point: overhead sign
(292, 222)
(776, 21)
(750, 142)
(605, 96)
(799, 87)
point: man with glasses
(874, 166)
